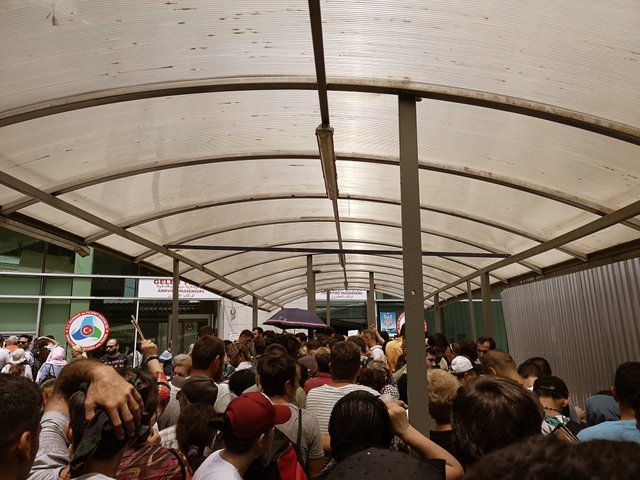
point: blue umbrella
(295, 318)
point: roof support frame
(26, 189)
(424, 264)
(325, 271)
(445, 169)
(369, 264)
(369, 267)
(520, 106)
(363, 221)
(631, 210)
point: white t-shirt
(223, 398)
(378, 354)
(215, 467)
(321, 400)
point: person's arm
(315, 453)
(418, 442)
(106, 390)
(150, 359)
(53, 451)
(326, 443)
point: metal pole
(254, 318)
(371, 300)
(486, 304)
(437, 313)
(472, 313)
(311, 285)
(328, 308)
(135, 337)
(174, 330)
(412, 263)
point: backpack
(50, 374)
(283, 462)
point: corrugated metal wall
(585, 324)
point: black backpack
(282, 462)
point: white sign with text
(343, 296)
(163, 288)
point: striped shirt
(321, 400)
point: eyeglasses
(111, 346)
(22, 343)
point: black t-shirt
(118, 362)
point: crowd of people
(286, 406)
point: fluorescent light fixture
(324, 133)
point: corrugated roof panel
(558, 53)
(53, 50)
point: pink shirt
(320, 379)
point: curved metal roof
(144, 126)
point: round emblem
(89, 329)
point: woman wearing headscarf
(56, 361)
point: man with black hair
(279, 377)
(323, 362)
(258, 332)
(345, 367)
(491, 413)
(246, 338)
(529, 372)
(553, 395)
(19, 424)
(625, 391)
(484, 345)
(207, 360)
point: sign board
(388, 323)
(343, 296)
(89, 329)
(400, 322)
(162, 288)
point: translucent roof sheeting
(179, 130)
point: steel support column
(487, 317)
(371, 302)
(174, 327)
(254, 317)
(412, 262)
(311, 285)
(437, 312)
(328, 308)
(472, 313)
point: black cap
(551, 384)
(200, 390)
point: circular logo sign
(88, 328)
(400, 322)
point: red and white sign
(400, 322)
(163, 288)
(89, 329)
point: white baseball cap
(461, 364)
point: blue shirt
(613, 430)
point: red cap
(252, 414)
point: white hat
(18, 356)
(461, 364)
